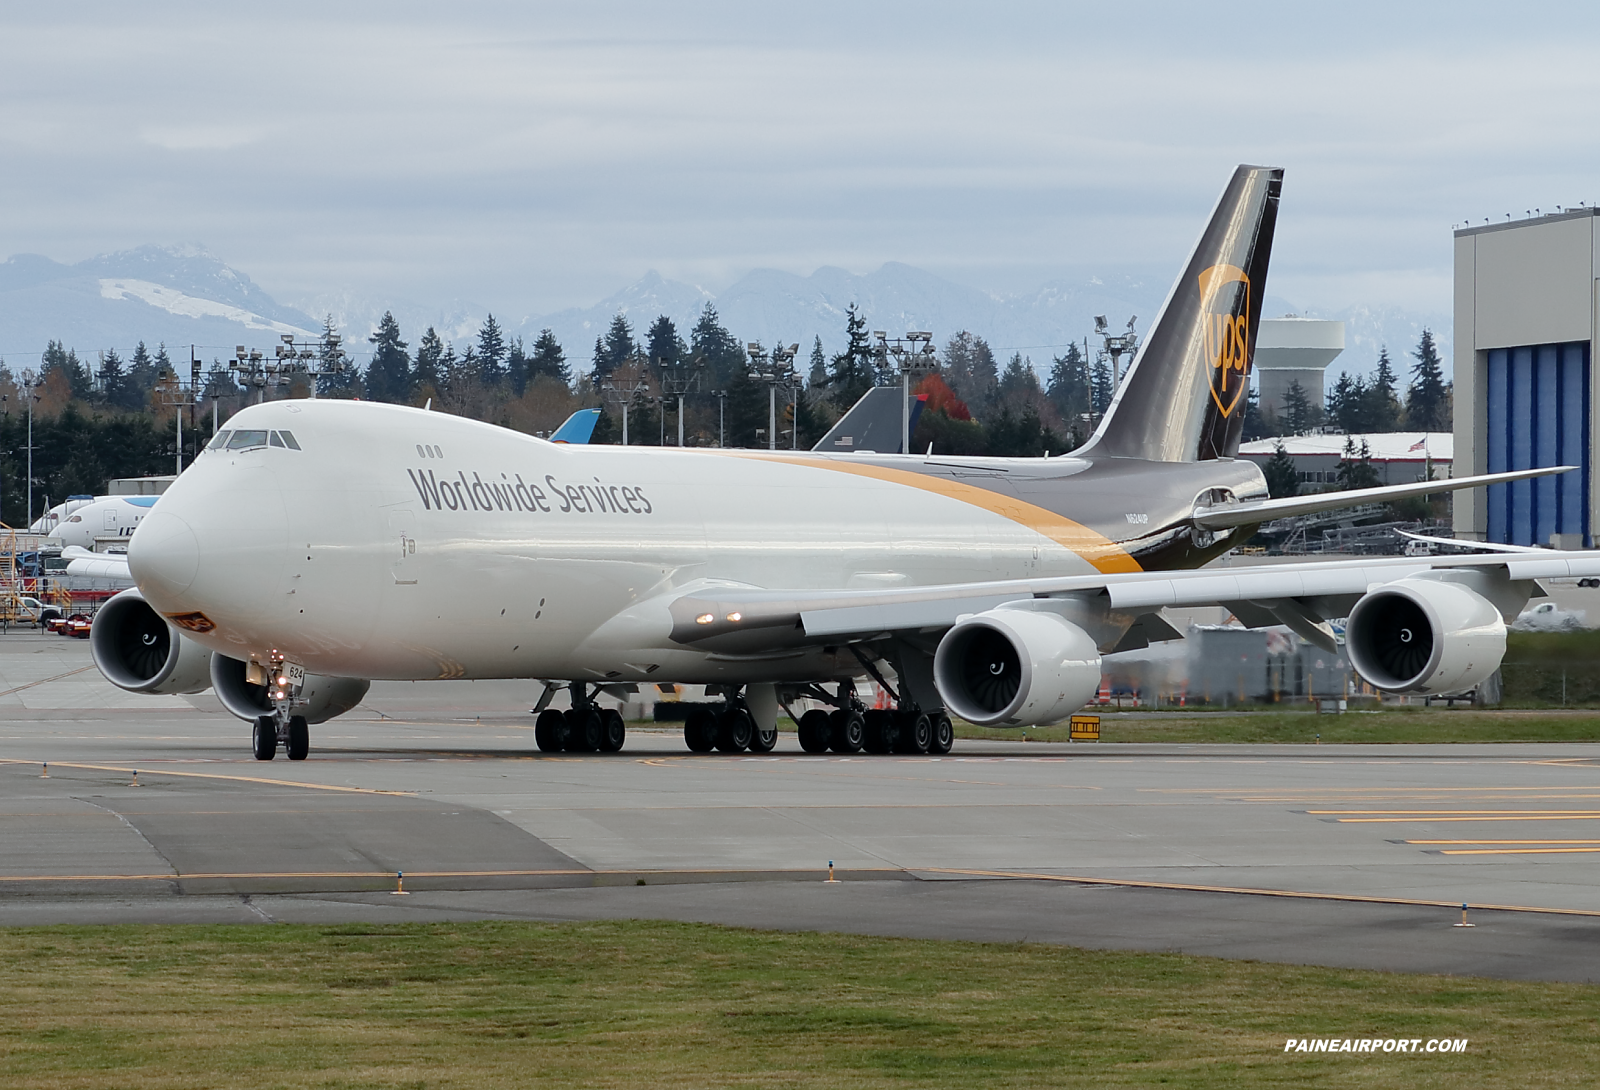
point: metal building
(1527, 326)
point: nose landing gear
(292, 731)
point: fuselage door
(402, 547)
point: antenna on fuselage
(428, 406)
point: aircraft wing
(1225, 515)
(739, 619)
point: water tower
(1290, 350)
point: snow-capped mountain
(184, 295)
(176, 295)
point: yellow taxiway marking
(1517, 851)
(1500, 842)
(1196, 888)
(45, 680)
(157, 770)
(1553, 816)
(389, 874)
(1410, 813)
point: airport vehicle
(318, 544)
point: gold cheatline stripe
(1106, 555)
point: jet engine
(1016, 667)
(1424, 636)
(320, 698)
(139, 650)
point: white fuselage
(402, 544)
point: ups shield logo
(1225, 314)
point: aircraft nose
(164, 555)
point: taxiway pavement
(1352, 855)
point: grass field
(1431, 725)
(675, 1005)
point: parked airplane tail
(1184, 396)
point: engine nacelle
(1424, 636)
(320, 699)
(1016, 667)
(139, 650)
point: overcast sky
(531, 156)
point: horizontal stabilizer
(1223, 516)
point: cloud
(538, 156)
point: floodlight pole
(29, 381)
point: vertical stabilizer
(1184, 396)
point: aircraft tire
(764, 741)
(299, 739)
(550, 731)
(944, 733)
(880, 733)
(916, 732)
(264, 738)
(813, 730)
(583, 730)
(700, 730)
(735, 729)
(613, 731)
(846, 732)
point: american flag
(1420, 444)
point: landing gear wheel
(583, 730)
(944, 734)
(735, 728)
(700, 730)
(550, 731)
(846, 732)
(299, 739)
(764, 741)
(264, 738)
(916, 732)
(880, 733)
(813, 730)
(613, 731)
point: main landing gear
(291, 731)
(730, 729)
(587, 728)
(876, 731)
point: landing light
(704, 618)
(735, 618)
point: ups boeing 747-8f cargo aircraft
(316, 545)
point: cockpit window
(275, 439)
(220, 441)
(243, 439)
(288, 440)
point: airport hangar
(1527, 327)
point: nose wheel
(292, 731)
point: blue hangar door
(1538, 401)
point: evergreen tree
(1104, 386)
(1297, 409)
(1282, 478)
(491, 355)
(64, 361)
(746, 409)
(1355, 468)
(1382, 403)
(614, 349)
(714, 348)
(339, 378)
(548, 360)
(1428, 399)
(664, 347)
(389, 375)
(517, 366)
(1019, 378)
(818, 377)
(854, 371)
(429, 375)
(1255, 425)
(1022, 435)
(1069, 387)
(969, 368)
(142, 375)
(1347, 404)
(113, 380)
